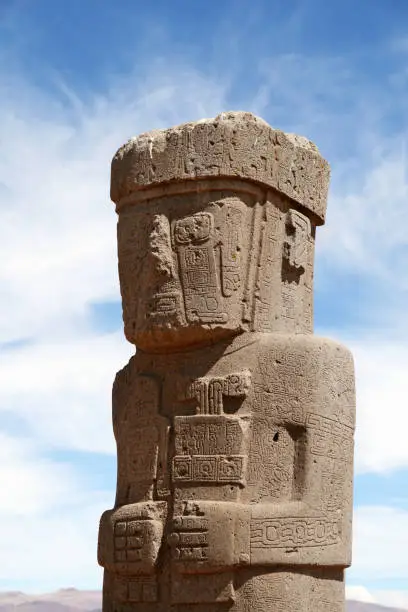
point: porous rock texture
(234, 423)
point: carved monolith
(234, 423)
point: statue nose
(162, 266)
(160, 247)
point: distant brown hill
(64, 600)
(73, 600)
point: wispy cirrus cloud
(57, 236)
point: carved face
(194, 270)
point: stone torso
(240, 467)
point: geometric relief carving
(231, 468)
(206, 435)
(216, 536)
(136, 543)
(266, 282)
(136, 589)
(129, 541)
(294, 532)
(209, 449)
(209, 468)
(197, 228)
(333, 490)
(210, 392)
(189, 540)
(288, 303)
(295, 248)
(329, 438)
(166, 306)
(193, 237)
(294, 264)
(231, 252)
(129, 538)
(142, 591)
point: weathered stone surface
(234, 424)
(235, 145)
(222, 258)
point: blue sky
(79, 78)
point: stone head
(216, 231)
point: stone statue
(234, 423)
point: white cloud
(384, 597)
(53, 549)
(57, 225)
(380, 553)
(63, 391)
(365, 231)
(380, 544)
(391, 598)
(48, 524)
(359, 593)
(382, 420)
(30, 483)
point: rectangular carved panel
(294, 532)
(209, 468)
